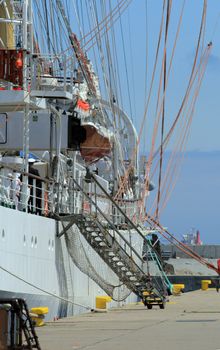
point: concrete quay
(189, 322)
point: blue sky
(195, 199)
(206, 123)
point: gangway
(108, 241)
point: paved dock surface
(189, 322)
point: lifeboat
(97, 143)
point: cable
(43, 290)
(169, 3)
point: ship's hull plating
(40, 263)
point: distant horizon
(195, 199)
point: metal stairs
(111, 245)
(102, 240)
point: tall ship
(72, 187)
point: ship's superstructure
(66, 236)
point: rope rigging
(102, 38)
(163, 109)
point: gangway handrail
(128, 220)
(112, 225)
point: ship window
(52, 245)
(3, 233)
(32, 242)
(49, 244)
(24, 240)
(35, 242)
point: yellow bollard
(37, 315)
(101, 301)
(205, 284)
(177, 288)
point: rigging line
(106, 19)
(45, 29)
(171, 160)
(170, 172)
(132, 63)
(76, 9)
(96, 64)
(94, 42)
(148, 99)
(116, 65)
(47, 26)
(146, 66)
(192, 108)
(176, 37)
(62, 32)
(175, 42)
(112, 53)
(104, 25)
(192, 77)
(166, 139)
(149, 162)
(183, 247)
(62, 38)
(171, 178)
(112, 93)
(163, 231)
(169, 4)
(192, 112)
(82, 16)
(109, 64)
(101, 53)
(215, 27)
(126, 68)
(205, 58)
(100, 49)
(107, 28)
(70, 47)
(39, 23)
(67, 4)
(54, 32)
(43, 290)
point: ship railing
(43, 197)
(53, 72)
(96, 199)
(89, 204)
(35, 199)
(131, 207)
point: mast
(27, 48)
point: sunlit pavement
(189, 321)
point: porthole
(3, 234)
(32, 242)
(35, 241)
(49, 245)
(24, 240)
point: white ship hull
(36, 263)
